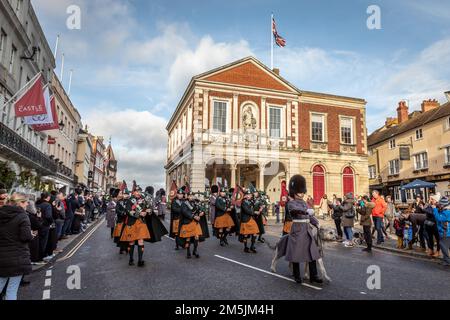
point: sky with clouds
(133, 59)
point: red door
(349, 181)
(318, 184)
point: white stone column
(264, 131)
(289, 125)
(297, 123)
(233, 176)
(261, 179)
(235, 115)
(205, 109)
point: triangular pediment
(248, 72)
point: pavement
(227, 273)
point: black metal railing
(62, 169)
(13, 141)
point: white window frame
(419, 134)
(281, 134)
(12, 59)
(447, 123)
(227, 113)
(3, 39)
(372, 173)
(421, 161)
(352, 129)
(392, 173)
(324, 126)
(447, 155)
(392, 144)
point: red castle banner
(32, 103)
(49, 126)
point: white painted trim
(229, 103)
(282, 121)
(353, 122)
(325, 126)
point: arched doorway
(218, 171)
(274, 174)
(348, 181)
(318, 184)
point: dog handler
(299, 246)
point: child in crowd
(407, 235)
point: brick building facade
(243, 123)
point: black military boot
(141, 262)
(188, 252)
(224, 238)
(246, 250)
(261, 239)
(313, 277)
(195, 253)
(296, 270)
(252, 248)
(131, 253)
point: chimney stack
(402, 112)
(447, 95)
(277, 71)
(429, 105)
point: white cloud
(139, 142)
(207, 55)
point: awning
(418, 184)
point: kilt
(223, 222)
(118, 230)
(138, 231)
(249, 228)
(190, 230)
(287, 227)
(175, 226)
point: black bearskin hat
(214, 189)
(150, 190)
(297, 184)
(162, 192)
(115, 193)
(111, 191)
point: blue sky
(133, 59)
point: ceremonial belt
(301, 221)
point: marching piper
(136, 230)
(175, 215)
(261, 207)
(212, 203)
(190, 228)
(248, 226)
(111, 210)
(299, 246)
(121, 218)
(223, 221)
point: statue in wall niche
(248, 119)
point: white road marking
(267, 272)
(48, 282)
(78, 246)
(46, 295)
(169, 238)
(49, 273)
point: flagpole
(62, 68)
(56, 46)
(70, 82)
(271, 42)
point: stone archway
(218, 171)
(274, 173)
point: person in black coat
(36, 226)
(15, 233)
(43, 204)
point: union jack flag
(279, 40)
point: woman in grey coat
(348, 218)
(299, 246)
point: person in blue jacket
(442, 215)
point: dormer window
(392, 144)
